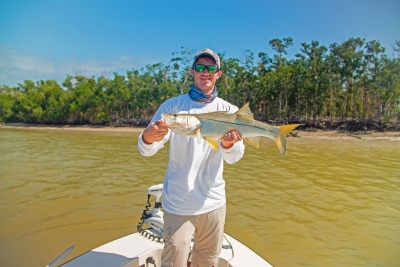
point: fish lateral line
(241, 124)
(241, 120)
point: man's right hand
(155, 132)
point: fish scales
(214, 125)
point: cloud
(12, 62)
(15, 67)
(31, 64)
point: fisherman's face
(205, 81)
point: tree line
(354, 79)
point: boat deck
(134, 250)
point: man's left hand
(230, 138)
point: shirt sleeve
(150, 150)
(234, 153)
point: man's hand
(155, 132)
(230, 138)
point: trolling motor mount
(154, 217)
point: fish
(213, 125)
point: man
(194, 190)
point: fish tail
(281, 140)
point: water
(329, 202)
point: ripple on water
(326, 203)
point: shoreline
(310, 133)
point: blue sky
(52, 39)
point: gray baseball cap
(207, 52)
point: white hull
(133, 250)
(138, 249)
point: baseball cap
(207, 52)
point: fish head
(182, 124)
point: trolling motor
(154, 217)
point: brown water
(329, 202)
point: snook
(215, 124)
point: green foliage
(352, 79)
(7, 101)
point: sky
(41, 40)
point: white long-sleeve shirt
(193, 182)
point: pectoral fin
(212, 142)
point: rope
(233, 253)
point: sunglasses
(201, 68)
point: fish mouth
(166, 118)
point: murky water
(329, 202)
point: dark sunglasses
(201, 68)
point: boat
(144, 247)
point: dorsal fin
(245, 112)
